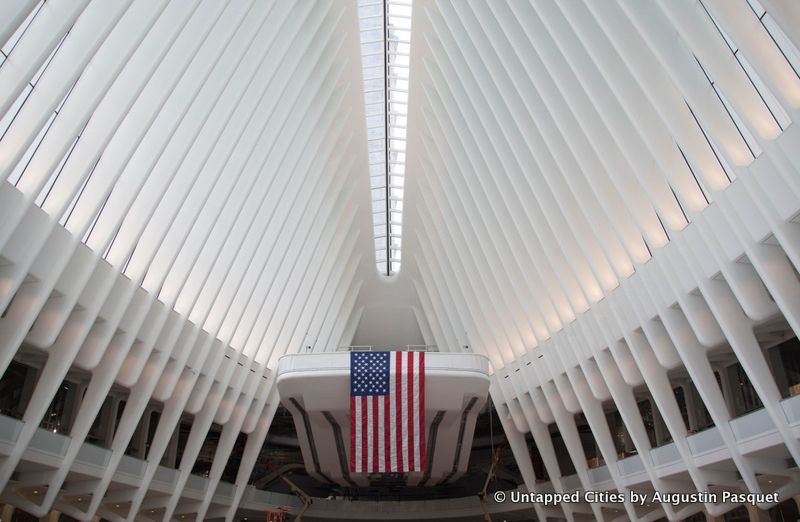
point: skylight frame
(387, 170)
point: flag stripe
(387, 460)
(374, 427)
(410, 414)
(416, 410)
(352, 433)
(381, 431)
(393, 413)
(423, 456)
(401, 463)
(359, 422)
(368, 401)
(364, 423)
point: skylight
(385, 43)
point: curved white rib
(602, 197)
(185, 199)
(599, 197)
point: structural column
(50, 517)
(756, 514)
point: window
(15, 388)
(648, 419)
(745, 398)
(385, 28)
(680, 398)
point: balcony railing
(406, 348)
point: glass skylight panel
(385, 27)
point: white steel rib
(600, 197)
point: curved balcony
(316, 389)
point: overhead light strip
(385, 29)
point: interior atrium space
(400, 260)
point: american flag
(387, 412)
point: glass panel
(385, 30)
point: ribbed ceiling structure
(601, 197)
(185, 196)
